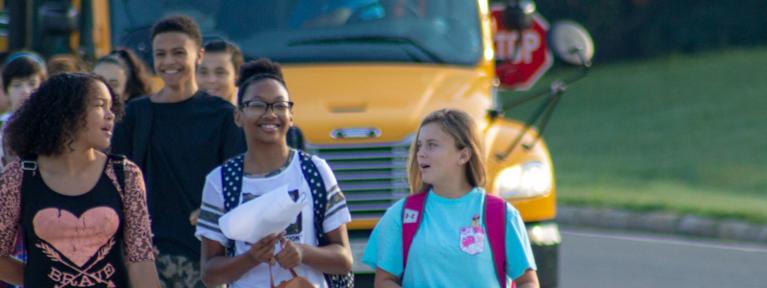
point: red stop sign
(521, 56)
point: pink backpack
(495, 223)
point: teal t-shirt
(435, 258)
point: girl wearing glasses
(265, 114)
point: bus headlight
(526, 180)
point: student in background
(22, 74)
(125, 73)
(220, 70)
(65, 63)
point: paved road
(599, 258)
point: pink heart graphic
(76, 238)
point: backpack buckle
(118, 159)
(28, 165)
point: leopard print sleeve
(10, 207)
(138, 230)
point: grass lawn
(683, 133)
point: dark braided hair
(258, 70)
(49, 121)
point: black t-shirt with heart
(73, 241)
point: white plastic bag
(269, 213)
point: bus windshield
(300, 31)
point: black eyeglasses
(255, 107)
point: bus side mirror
(572, 43)
(58, 18)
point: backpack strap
(495, 223)
(319, 194)
(313, 177)
(29, 164)
(118, 164)
(29, 169)
(412, 214)
(231, 183)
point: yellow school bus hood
(389, 101)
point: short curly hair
(179, 23)
(49, 121)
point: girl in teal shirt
(447, 159)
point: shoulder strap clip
(29, 165)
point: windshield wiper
(367, 39)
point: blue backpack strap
(231, 183)
(320, 197)
(319, 194)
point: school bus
(362, 73)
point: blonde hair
(464, 131)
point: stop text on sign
(506, 43)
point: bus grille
(372, 176)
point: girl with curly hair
(88, 224)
